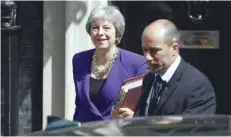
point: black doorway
(21, 66)
(213, 62)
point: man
(173, 86)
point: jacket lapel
(113, 84)
(171, 85)
(146, 87)
(115, 77)
(83, 85)
(83, 76)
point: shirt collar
(167, 75)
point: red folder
(130, 92)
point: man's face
(159, 56)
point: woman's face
(103, 34)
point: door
(213, 62)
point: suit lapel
(113, 84)
(171, 85)
(83, 76)
(86, 91)
(83, 85)
(115, 77)
(148, 80)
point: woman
(98, 73)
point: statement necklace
(100, 71)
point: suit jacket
(126, 65)
(188, 92)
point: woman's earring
(117, 40)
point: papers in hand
(130, 92)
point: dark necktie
(156, 92)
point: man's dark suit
(188, 92)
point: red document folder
(130, 92)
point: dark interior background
(213, 62)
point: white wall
(64, 35)
(53, 59)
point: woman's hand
(122, 113)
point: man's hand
(122, 113)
